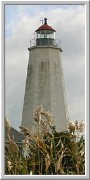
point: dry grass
(47, 151)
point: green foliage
(46, 152)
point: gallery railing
(45, 42)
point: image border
(87, 133)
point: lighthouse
(45, 82)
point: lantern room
(45, 35)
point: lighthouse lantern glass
(46, 34)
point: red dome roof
(45, 27)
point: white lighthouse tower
(44, 83)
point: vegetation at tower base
(46, 151)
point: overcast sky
(21, 21)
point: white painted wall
(44, 85)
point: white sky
(21, 21)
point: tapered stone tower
(44, 83)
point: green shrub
(46, 151)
